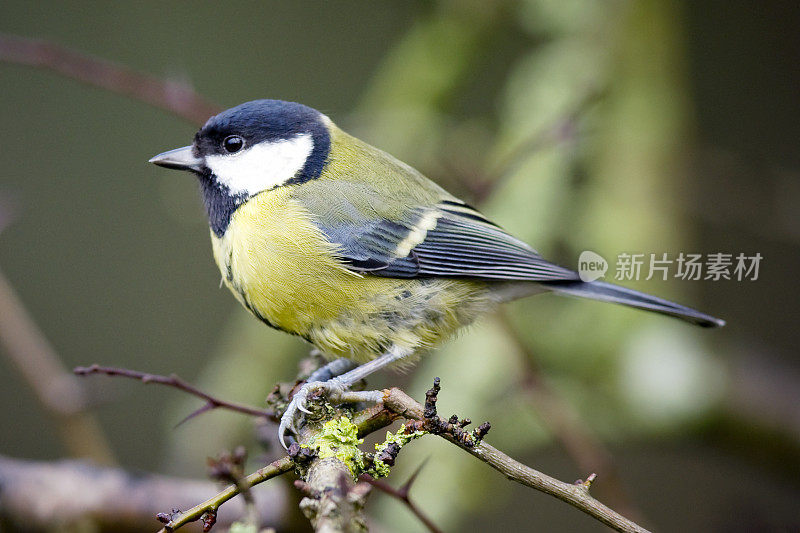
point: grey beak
(179, 159)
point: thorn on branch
(405, 489)
(403, 494)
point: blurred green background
(613, 126)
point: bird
(323, 236)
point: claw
(333, 388)
(288, 418)
(282, 435)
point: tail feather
(607, 292)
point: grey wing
(449, 239)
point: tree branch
(404, 495)
(58, 392)
(178, 383)
(397, 403)
(576, 495)
(577, 438)
(172, 96)
(45, 496)
(333, 503)
(274, 469)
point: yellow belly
(283, 269)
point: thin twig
(172, 96)
(59, 392)
(274, 469)
(576, 495)
(178, 383)
(404, 495)
(577, 439)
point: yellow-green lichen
(401, 438)
(339, 439)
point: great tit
(323, 236)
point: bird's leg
(331, 370)
(335, 380)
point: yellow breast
(282, 268)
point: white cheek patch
(263, 166)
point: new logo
(591, 266)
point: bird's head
(253, 147)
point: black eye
(232, 144)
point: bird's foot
(334, 389)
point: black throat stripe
(221, 203)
